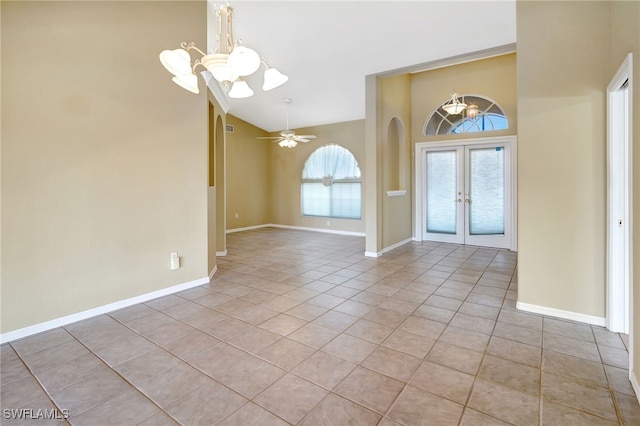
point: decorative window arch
(490, 116)
(331, 184)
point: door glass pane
(441, 192)
(486, 191)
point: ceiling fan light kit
(287, 143)
(227, 64)
(288, 138)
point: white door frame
(420, 147)
(620, 201)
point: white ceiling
(328, 47)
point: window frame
(349, 180)
(441, 122)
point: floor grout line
(276, 261)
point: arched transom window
(481, 115)
(331, 184)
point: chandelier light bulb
(273, 78)
(176, 61)
(243, 60)
(187, 81)
(240, 89)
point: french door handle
(466, 200)
(458, 200)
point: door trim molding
(619, 283)
(420, 147)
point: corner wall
(562, 79)
(104, 159)
(248, 179)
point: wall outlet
(175, 261)
(328, 223)
(237, 215)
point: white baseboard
(559, 313)
(68, 319)
(213, 272)
(326, 231)
(387, 249)
(246, 228)
(396, 245)
(221, 253)
(299, 228)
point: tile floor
(300, 328)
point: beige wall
(263, 179)
(625, 39)
(104, 159)
(493, 78)
(562, 78)
(395, 140)
(286, 173)
(248, 180)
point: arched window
(489, 116)
(331, 184)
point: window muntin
(481, 123)
(490, 117)
(331, 184)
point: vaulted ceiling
(328, 47)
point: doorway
(619, 202)
(466, 192)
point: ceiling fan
(288, 138)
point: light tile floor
(300, 328)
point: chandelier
(228, 63)
(472, 111)
(454, 105)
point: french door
(467, 194)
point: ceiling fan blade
(270, 137)
(297, 139)
(306, 136)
